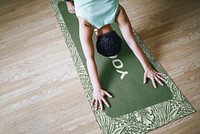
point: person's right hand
(70, 7)
(99, 96)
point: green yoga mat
(121, 75)
(136, 107)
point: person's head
(108, 44)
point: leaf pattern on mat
(137, 122)
(145, 116)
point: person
(99, 14)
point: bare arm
(85, 34)
(126, 29)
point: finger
(108, 94)
(93, 102)
(96, 103)
(71, 11)
(153, 82)
(161, 78)
(104, 100)
(145, 78)
(101, 105)
(161, 74)
(158, 81)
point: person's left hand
(154, 76)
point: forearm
(140, 55)
(93, 73)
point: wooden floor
(40, 92)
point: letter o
(117, 66)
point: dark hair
(108, 44)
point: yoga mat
(135, 108)
(121, 75)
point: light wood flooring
(40, 92)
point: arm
(126, 29)
(85, 34)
